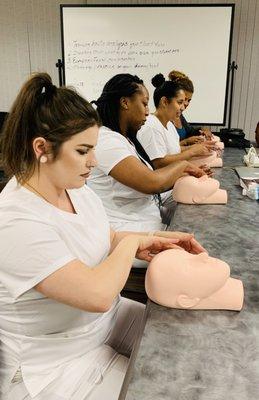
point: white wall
(30, 41)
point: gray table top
(206, 355)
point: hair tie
(49, 90)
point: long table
(206, 355)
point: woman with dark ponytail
(64, 328)
(124, 178)
(159, 136)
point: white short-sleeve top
(157, 140)
(41, 336)
(127, 209)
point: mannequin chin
(212, 161)
(203, 190)
(178, 279)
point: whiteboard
(99, 42)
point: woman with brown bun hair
(187, 133)
(159, 137)
(65, 331)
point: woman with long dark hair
(124, 178)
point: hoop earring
(43, 159)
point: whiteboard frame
(225, 5)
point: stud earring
(43, 159)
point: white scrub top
(53, 344)
(127, 209)
(157, 140)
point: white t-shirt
(157, 140)
(127, 209)
(49, 341)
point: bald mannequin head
(218, 143)
(178, 279)
(203, 190)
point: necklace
(36, 191)
(43, 197)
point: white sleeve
(31, 250)
(110, 151)
(153, 142)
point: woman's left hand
(186, 241)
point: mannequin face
(194, 190)
(209, 273)
(134, 110)
(194, 275)
(179, 279)
(211, 161)
(187, 277)
(188, 98)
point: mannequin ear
(124, 103)
(186, 302)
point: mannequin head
(178, 279)
(203, 190)
(218, 143)
(212, 161)
(215, 138)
